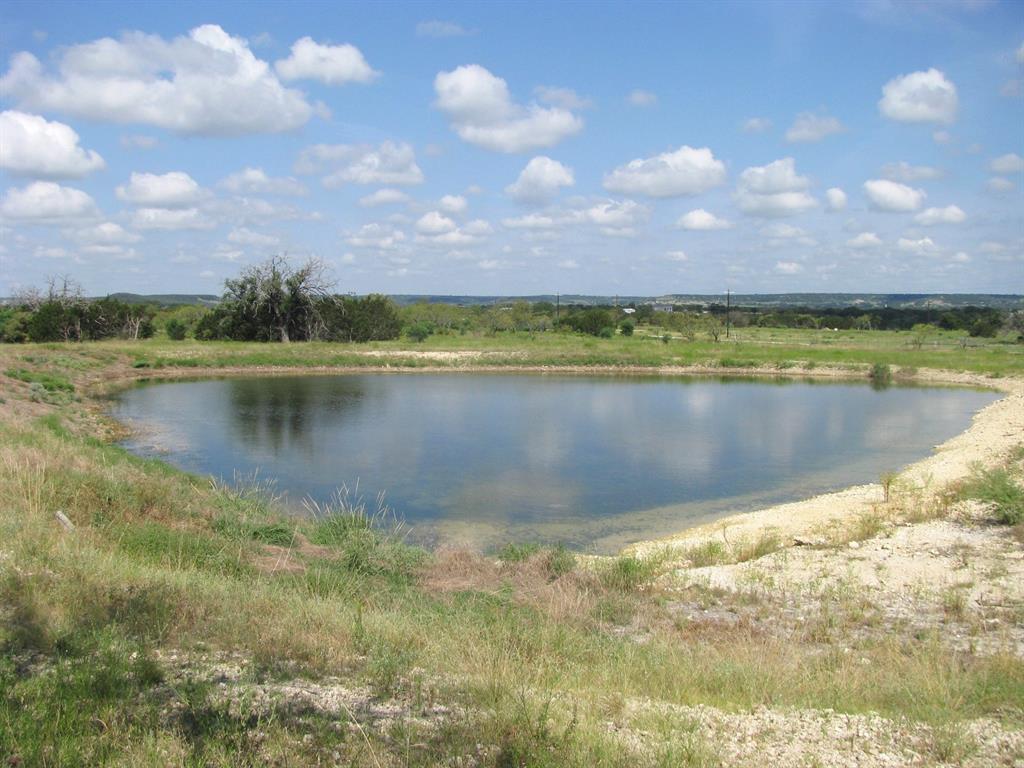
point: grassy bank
(179, 623)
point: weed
(999, 488)
(881, 376)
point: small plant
(887, 479)
(175, 329)
(627, 327)
(881, 376)
(707, 553)
(665, 338)
(628, 573)
(998, 488)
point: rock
(854, 545)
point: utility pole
(728, 312)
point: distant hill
(759, 300)
(167, 299)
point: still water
(592, 462)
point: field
(174, 622)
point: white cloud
(533, 221)
(245, 236)
(389, 163)
(1010, 163)
(454, 204)
(961, 257)
(46, 201)
(885, 195)
(568, 264)
(169, 190)
(905, 172)
(170, 218)
(702, 220)
(34, 146)
(566, 98)
(435, 223)
(1020, 54)
(442, 29)
(1000, 185)
(105, 233)
(384, 197)
(811, 127)
(677, 256)
(773, 190)
(540, 180)
(835, 198)
(330, 64)
(783, 231)
(617, 218)
(482, 112)
(951, 214)
(920, 97)
(922, 247)
(942, 137)
(207, 83)
(685, 171)
(756, 125)
(864, 240)
(641, 98)
(250, 181)
(788, 267)
(377, 235)
(138, 141)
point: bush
(175, 329)
(881, 376)
(998, 488)
(418, 332)
(627, 327)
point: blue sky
(516, 148)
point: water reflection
(588, 460)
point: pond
(594, 462)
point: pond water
(594, 462)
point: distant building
(628, 310)
(662, 307)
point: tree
(274, 300)
(627, 326)
(175, 329)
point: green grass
(531, 649)
(1000, 488)
(49, 381)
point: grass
(999, 488)
(529, 648)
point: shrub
(175, 329)
(627, 327)
(998, 488)
(418, 332)
(881, 376)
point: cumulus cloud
(330, 64)
(250, 181)
(783, 232)
(756, 125)
(677, 256)
(885, 195)
(34, 146)
(535, 221)
(702, 220)
(169, 190)
(864, 240)
(999, 185)
(905, 172)
(835, 198)
(788, 267)
(389, 163)
(951, 214)
(435, 223)
(245, 236)
(105, 233)
(641, 98)
(920, 97)
(206, 83)
(540, 180)
(435, 227)
(773, 190)
(1010, 163)
(685, 171)
(811, 127)
(46, 201)
(384, 197)
(483, 113)
(437, 28)
(922, 247)
(618, 218)
(376, 235)
(138, 141)
(170, 219)
(566, 98)
(454, 204)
